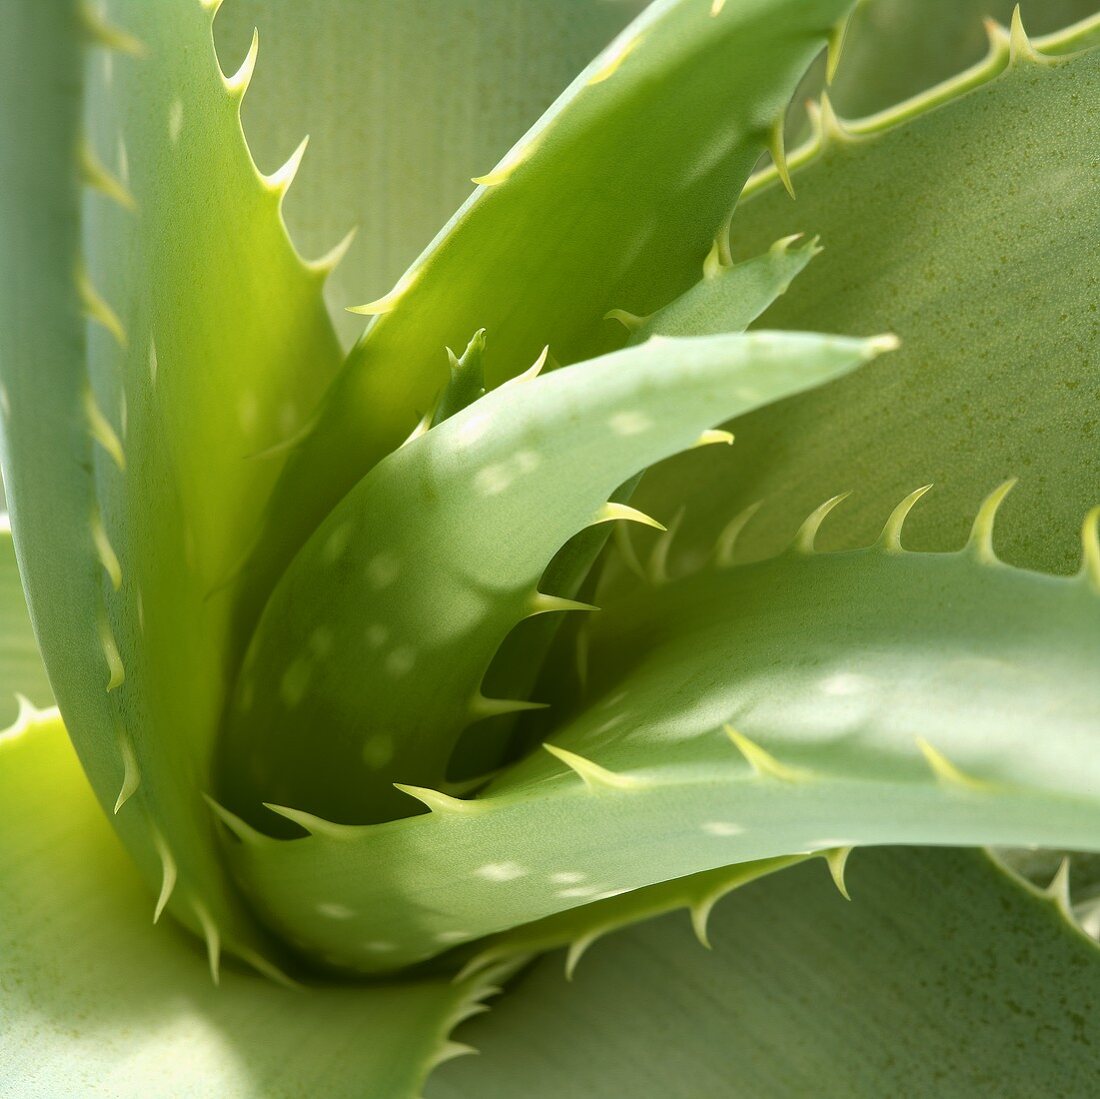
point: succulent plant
(400, 654)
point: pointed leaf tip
(835, 48)
(577, 949)
(1059, 888)
(878, 345)
(546, 604)
(946, 771)
(714, 436)
(237, 84)
(630, 321)
(807, 533)
(1020, 45)
(95, 175)
(388, 302)
(239, 828)
(439, 802)
(726, 545)
(482, 706)
(131, 774)
(616, 54)
(777, 148)
(168, 874)
(762, 762)
(890, 538)
(1090, 549)
(980, 543)
(612, 511)
(280, 180)
(314, 825)
(595, 777)
(700, 917)
(212, 937)
(837, 861)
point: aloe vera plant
(384, 657)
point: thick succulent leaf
(610, 201)
(928, 218)
(190, 337)
(874, 696)
(21, 670)
(436, 89)
(729, 297)
(95, 1000)
(369, 659)
(894, 49)
(943, 977)
(1074, 875)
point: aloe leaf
(894, 49)
(580, 217)
(988, 367)
(398, 164)
(943, 976)
(98, 1000)
(729, 297)
(372, 650)
(902, 710)
(22, 676)
(137, 387)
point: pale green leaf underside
(368, 662)
(942, 978)
(888, 697)
(98, 1001)
(940, 229)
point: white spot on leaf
(492, 480)
(501, 871)
(292, 687)
(400, 662)
(336, 543)
(567, 877)
(452, 936)
(248, 412)
(630, 423)
(845, 683)
(378, 750)
(383, 570)
(335, 911)
(579, 891)
(175, 120)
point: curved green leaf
(157, 329)
(435, 90)
(894, 49)
(95, 1000)
(873, 696)
(942, 978)
(580, 217)
(729, 297)
(368, 662)
(929, 217)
